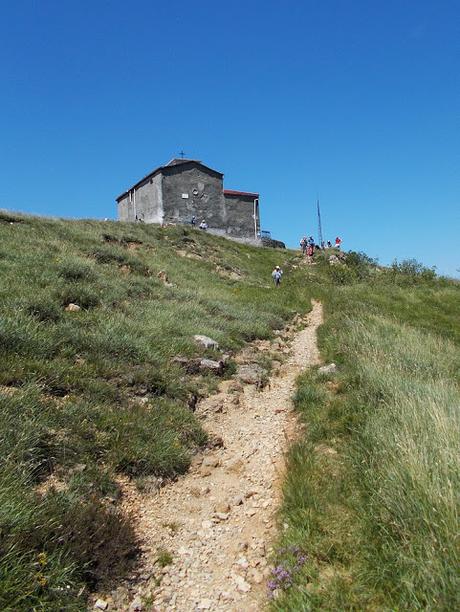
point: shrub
(76, 269)
(153, 440)
(110, 254)
(361, 264)
(164, 557)
(114, 254)
(411, 271)
(23, 336)
(8, 218)
(340, 274)
(98, 539)
(77, 293)
(44, 309)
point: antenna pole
(320, 229)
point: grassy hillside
(371, 498)
(87, 395)
(370, 502)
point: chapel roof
(167, 167)
(232, 192)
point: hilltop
(105, 391)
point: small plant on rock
(164, 557)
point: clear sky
(356, 101)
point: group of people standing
(203, 225)
(309, 246)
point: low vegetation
(92, 395)
(89, 395)
(371, 494)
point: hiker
(329, 244)
(203, 225)
(338, 242)
(276, 275)
(311, 241)
(303, 244)
(310, 251)
(193, 220)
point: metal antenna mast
(320, 229)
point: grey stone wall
(240, 215)
(193, 191)
(125, 209)
(177, 192)
(149, 201)
(145, 202)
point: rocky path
(215, 524)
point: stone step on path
(218, 520)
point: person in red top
(338, 242)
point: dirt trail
(218, 520)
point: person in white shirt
(276, 275)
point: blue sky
(357, 102)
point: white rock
(211, 365)
(241, 584)
(205, 341)
(75, 308)
(222, 507)
(226, 596)
(204, 604)
(256, 576)
(210, 461)
(136, 605)
(328, 369)
(101, 604)
(243, 562)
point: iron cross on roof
(182, 154)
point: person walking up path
(303, 244)
(277, 275)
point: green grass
(71, 418)
(164, 558)
(371, 494)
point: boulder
(101, 604)
(136, 605)
(222, 507)
(209, 365)
(241, 584)
(205, 341)
(72, 308)
(196, 366)
(331, 368)
(210, 461)
(251, 374)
